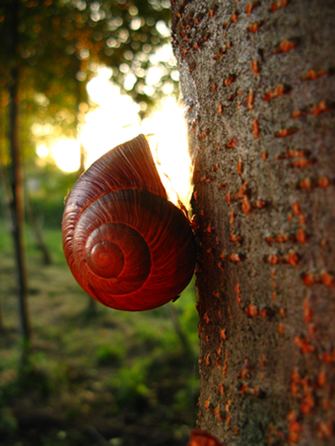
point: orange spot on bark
(253, 27)
(254, 67)
(260, 204)
(301, 162)
(234, 18)
(312, 74)
(231, 219)
(298, 113)
(232, 143)
(264, 155)
(323, 182)
(252, 310)
(305, 183)
(292, 258)
(309, 278)
(229, 80)
(274, 93)
(234, 258)
(328, 279)
(273, 259)
(304, 345)
(255, 129)
(296, 208)
(284, 47)
(325, 429)
(301, 236)
(234, 238)
(321, 107)
(228, 197)
(281, 329)
(286, 132)
(246, 206)
(250, 100)
(308, 313)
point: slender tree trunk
(36, 227)
(258, 85)
(17, 206)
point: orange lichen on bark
(246, 206)
(320, 107)
(324, 182)
(308, 313)
(253, 27)
(250, 100)
(298, 113)
(274, 92)
(228, 200)
(325, 429)
(302, 162)
(255, 129)
(292, 258)
(252, 310)
(234, 257)
(278, 5)
(232, 143)
(294, 427)
(327, 279)
(234, 238)
(296, 208)
(254, 67)
(304, 344)
(264, 155)
(234, 17)
(285, 46)
(282, 133)
(281, 328)
(250, 6)
(305, 183)
(260, 203)
(312, 74)
(231, 218)
(310, 278)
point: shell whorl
(125, 243)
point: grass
(114, 378)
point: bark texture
(258, 86)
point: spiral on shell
(127, 246)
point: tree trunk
(16, 180)
(258, 86)
(37, 230)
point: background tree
(257, 81)
(55, 49)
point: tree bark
(16, 180)
(258, 86)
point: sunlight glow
(116, 120)
(66, 153)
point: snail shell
(127, 246)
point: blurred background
(76, 79)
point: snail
(126, 245)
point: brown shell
(125, 243)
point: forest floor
(95, 376)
